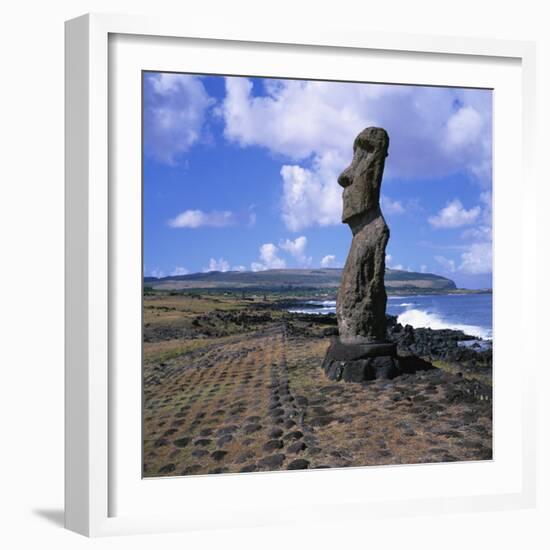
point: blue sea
(471, 313)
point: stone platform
(361, 362)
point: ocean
(471, 313)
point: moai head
(361, 180)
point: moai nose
(345, 179)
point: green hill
(325, 278)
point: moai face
(361, 180)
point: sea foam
(418, 318)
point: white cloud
(269, 258)
(481, 233)
(390, 206)
(463, 128)
(391, 265)
(446, 263)
(179, 271)
(296, 248)
(158, 273)
(175, 116)
(239, 268)
(433, 132)
(478, 259)
(328, 261)
(197, 218)
(217, 265)
(455, 215)
(311, 196)
(423, 268)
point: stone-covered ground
(232, 388)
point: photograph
(317, 264)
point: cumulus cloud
(455, 215)
(478, 259)
(179, 271)
(158, 273)
(446, 263)
(390, 206)
(174, 118)
(217, 265)
(328, 261)
(297, 249)
(197, 218)
(269, 258)
(433, 132)
(311, 196)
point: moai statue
(362, 352)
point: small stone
(218, 455)
(182, 442)
(298, 464)
(275, 433)
(243, 457)
(219, 470)
(273, 445)
(293, 436)
(227, 430)
(251, 428)
(273, 461)
(296, 447)
(199, 453)
(249, 468)
(224, 439)
(167, 469)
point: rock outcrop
(362, 351)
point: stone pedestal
(361, 362)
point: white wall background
(31, 272)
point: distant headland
(396, 281)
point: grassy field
(233, 383)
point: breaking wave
(418, 318)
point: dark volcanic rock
(251, 428)
(167, 469)
(275, 433)
(361, 362)
(299, 464)
(296, 447)
(249, 468)
(218, 455)
(273, 461)
(224, 439)
(273, 445)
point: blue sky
(240, 174)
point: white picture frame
(93, 419)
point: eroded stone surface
(361, 300)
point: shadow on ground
(56, 517)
